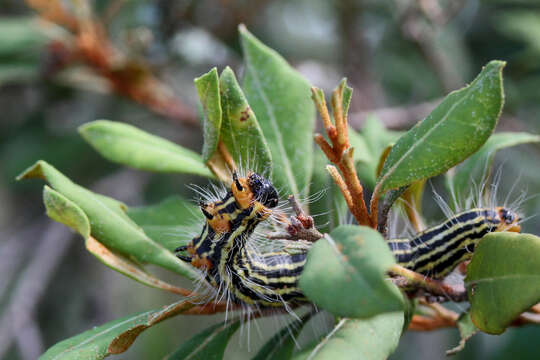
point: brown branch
(425, 323)
(338, 180)
(90, 45)
(434, 287)
(340, 153)
(227, 157)
(300, 227)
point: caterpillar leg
(182, 257)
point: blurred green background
(401, 57)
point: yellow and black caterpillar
(231, 265)
(271, 279)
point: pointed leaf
(503, 279)
(112, 338)
(478, 167)
(108, 224)
(240, 130)
(169, 221)
(327, 204)
(345, 273)
(65, 211)
(346, 95)
(208, 89)
(208, 344)
(371, 339)
(281, 99)
(452, 132)
(125, 144)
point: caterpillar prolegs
(223, 251)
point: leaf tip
(33, 171)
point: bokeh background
(65, 63)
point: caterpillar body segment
(241, 272)
(436, 252)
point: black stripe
(421, 248)
(275, 260)
(448, 265)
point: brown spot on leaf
(123, 341)
(244, 115)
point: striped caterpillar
(221, 250)
(270, 279)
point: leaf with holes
(281, 99)
(457, 128)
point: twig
(424, 323)
(90, 44)
(300, 227)
(434, 287)
(340, 152)
(226, 155)
(440, 310)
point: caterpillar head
(263, 190)
(254, 188)
(509, 220)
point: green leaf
(478, 166)
(361, 150)
(452, 132)
(240, 130)
(168, 221)
(108, 223)
(65, 211)
(376, 138)
(128, 267)
(208, 89)
(283, 343)
(281, 99)
(370, 339)
(345, 273)
(125, 144)
(114, 337)
(466, 331)
(208, 344)
(327, 204)
(347, 94)
(503, 279)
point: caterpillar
(246, 276)
(437, 251)
(229, 263)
